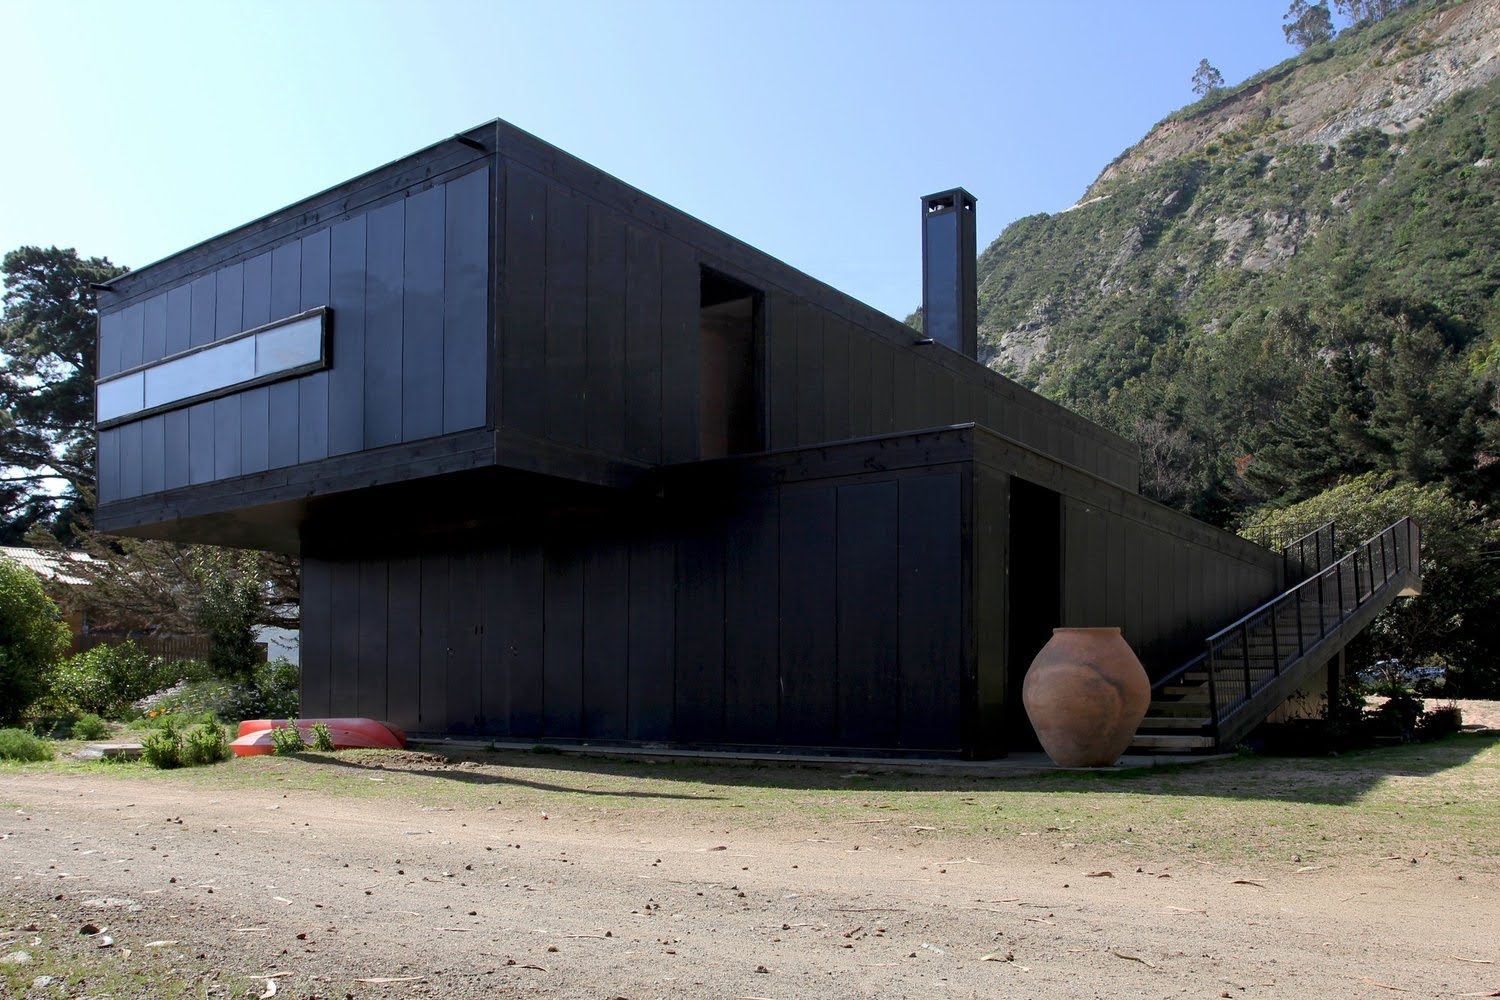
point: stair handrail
(1384, 550)
(1344, 574)
(1263, 533)
(1300, 544)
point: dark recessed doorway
(731, 361)
(1035, 594)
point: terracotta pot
(1085, 694)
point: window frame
(323, 314)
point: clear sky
(808, 129)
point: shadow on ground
(1331, 780)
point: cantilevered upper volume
(492, 301)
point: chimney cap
(952, 198)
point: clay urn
(1085, 694)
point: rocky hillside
(1289, 295)
(1388, 77)
(1372, 156)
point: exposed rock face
(1393, 90)
(1218, 196)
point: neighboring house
(68, 585)
(563, 463)
(281, 643)
(62, 579)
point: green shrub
(108, 680)
(185, 741)
(181, 721)
(271, 694)
(162, 748)
(205, 743)
(1397, 718)
(90, 727)
(231, 603)
(18, 744)
(276, 690)
(322, 738)
(31, 640)
(287, 740)
(1442, 721)
(194, 698)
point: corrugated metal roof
(51, 566)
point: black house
(563, 463)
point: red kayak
(348, 734)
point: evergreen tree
(1429, 415)
(1359, 11)
(1317, 437)
(1206, 79)
(1305, 24)
(47, 385)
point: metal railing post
(1301, 630)
(1213, 689)
(1322, 606)
(1338, 570)
(1275, 644)
(1245, 657)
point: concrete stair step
(1169, 744)
(1173, 722)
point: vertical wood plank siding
(596, 337)
(408, 283)
(821, 613)
(1164, 591)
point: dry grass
(1440, 799)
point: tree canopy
(1206, 79)
(47, 333)
(1306, 24)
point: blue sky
(810, 129)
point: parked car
(1392, 673)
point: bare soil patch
(525, 876)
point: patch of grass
(1440, 798)
(78, 967)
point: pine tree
(1317, 437)
(47, 385)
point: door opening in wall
(1035, 595)
(732, 367)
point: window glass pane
(289, 346)
(121, 396)
(205, 371)
(214, 369)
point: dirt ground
(319, 890)
(1484, 714)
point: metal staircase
(1250, 667)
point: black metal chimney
(950, 305)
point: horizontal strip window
(284, 349)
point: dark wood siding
(835, 369)
(1135, 569)
(813, 612)
(869, 605)
(1163, 578)
(407, 281)
(993, 575)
